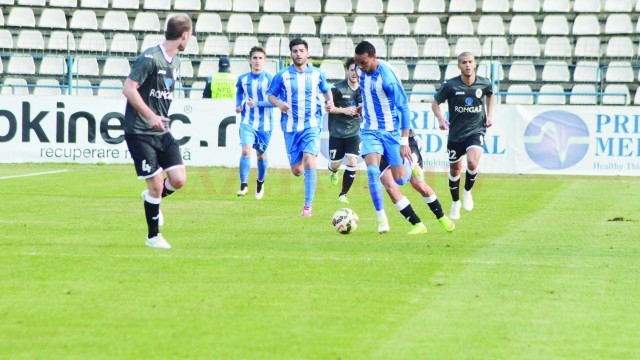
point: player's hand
(329, 105)
(284, 107)
(239, 109)
(351, 111)
(158, 122)
(444, 124)
(488, 123)
(250, 102)
(405, 152)
(359, 111)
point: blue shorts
(259, 139)
(385, 143)
(299, 142)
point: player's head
(366, 58)
(257, 59)
(179, 28)
(352, 74)
(299, 51)
(467, 63)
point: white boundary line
(34, 174)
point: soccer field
(544, 267)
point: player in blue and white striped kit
(256, 113)
(296, 90)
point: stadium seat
(518, 95)
(52, 19)
(216, 45)
(207, 67)
(30, 39)
(636, 98)
(490, 25)
(315, 46)
(157, 4)
(127, 4)
(522, 70)
(85, 66)
(452, 70)
(151, 40)
(459, 25)
(400, 7)
(427, 70)
(638, 25)
(146, 21)
(21, 64)
(623, 6)
(527, 6)
(555, 25)
(196, 90)
(337, 6)
(187, 5)
(7, 2)
(82, 87)
(1, 19)
(495, 47)
(586, 71)
(92, 41)
(52, 65)
(94, 4)
(333, 25)
(588, 47)
(193, 47)
(208, 23)
(334, 70)
(369, 7)
(115, 20)
(620, 46)
(462, 6)
(495, 6)
(555, 95)
(404, 47)
(84, 19)
(186, 68)
(47, 87)
(116, 66)
(239, 66)
(365, 25)
(526, 47)
(586, 24)
(277, 46)
(218, 5)
(110, 88)
(616, 94)
(243, 45)
(436, 47)
(396, 25)
(6, 40)
(558, 46)
(401, 69)
(307, 6)
(556, 6)
(484, 69)
(20, 88)
(589, 6)
(380, 45)
(1, 66)
(468, 44)
(31, 2)
(125, 43)
(619, 71)
(243, 6)
(431, 6)
(555, 71)
(271, 24)
(240, 24)
(583, 95)
(427, 98)
(61, 40)
(428, 25)
(302, 24)
(618, 24)
(523, 25)
(21, 17)
(276, 6)
(340, 47)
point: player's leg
(375, 188)
(336, 154)
(310, 146)
(473, 158)
(351, 147)
(402, 203)
(400, 169)
(247, 139)
(456, 151)
(263, 139)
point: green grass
(536, 271)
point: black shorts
(339, 147)
(413, 145)
(153, 153)
(458, 149)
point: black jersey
(467, 106)
(157, 78)
(344, 126)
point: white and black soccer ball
(345, 221)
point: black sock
(347, 180)
(243, 186)
(454, 188)
(436, 208)
(152, 211)
(470, 180)
(410, 215)
(258, 186)
(165, 191)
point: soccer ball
(345, 221)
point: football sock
(151, 211)
(243, 186)
(259, 185)
(310, 181)
(167, 189)
(404, 206)
(434, 205)
(262, 169)
(347, 179)
(470, 179)
(375, 187)
(381, 214)
(245, 166)
(454, 187)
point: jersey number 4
(145, 166)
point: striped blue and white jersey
(385, 104)
(302, 91)
(255, 86)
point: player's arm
(130, 91)
(266, 103)
(274, 89)
(402, 104)
(438, 99)
(328, 100)
(239, 95)
(490, 105)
